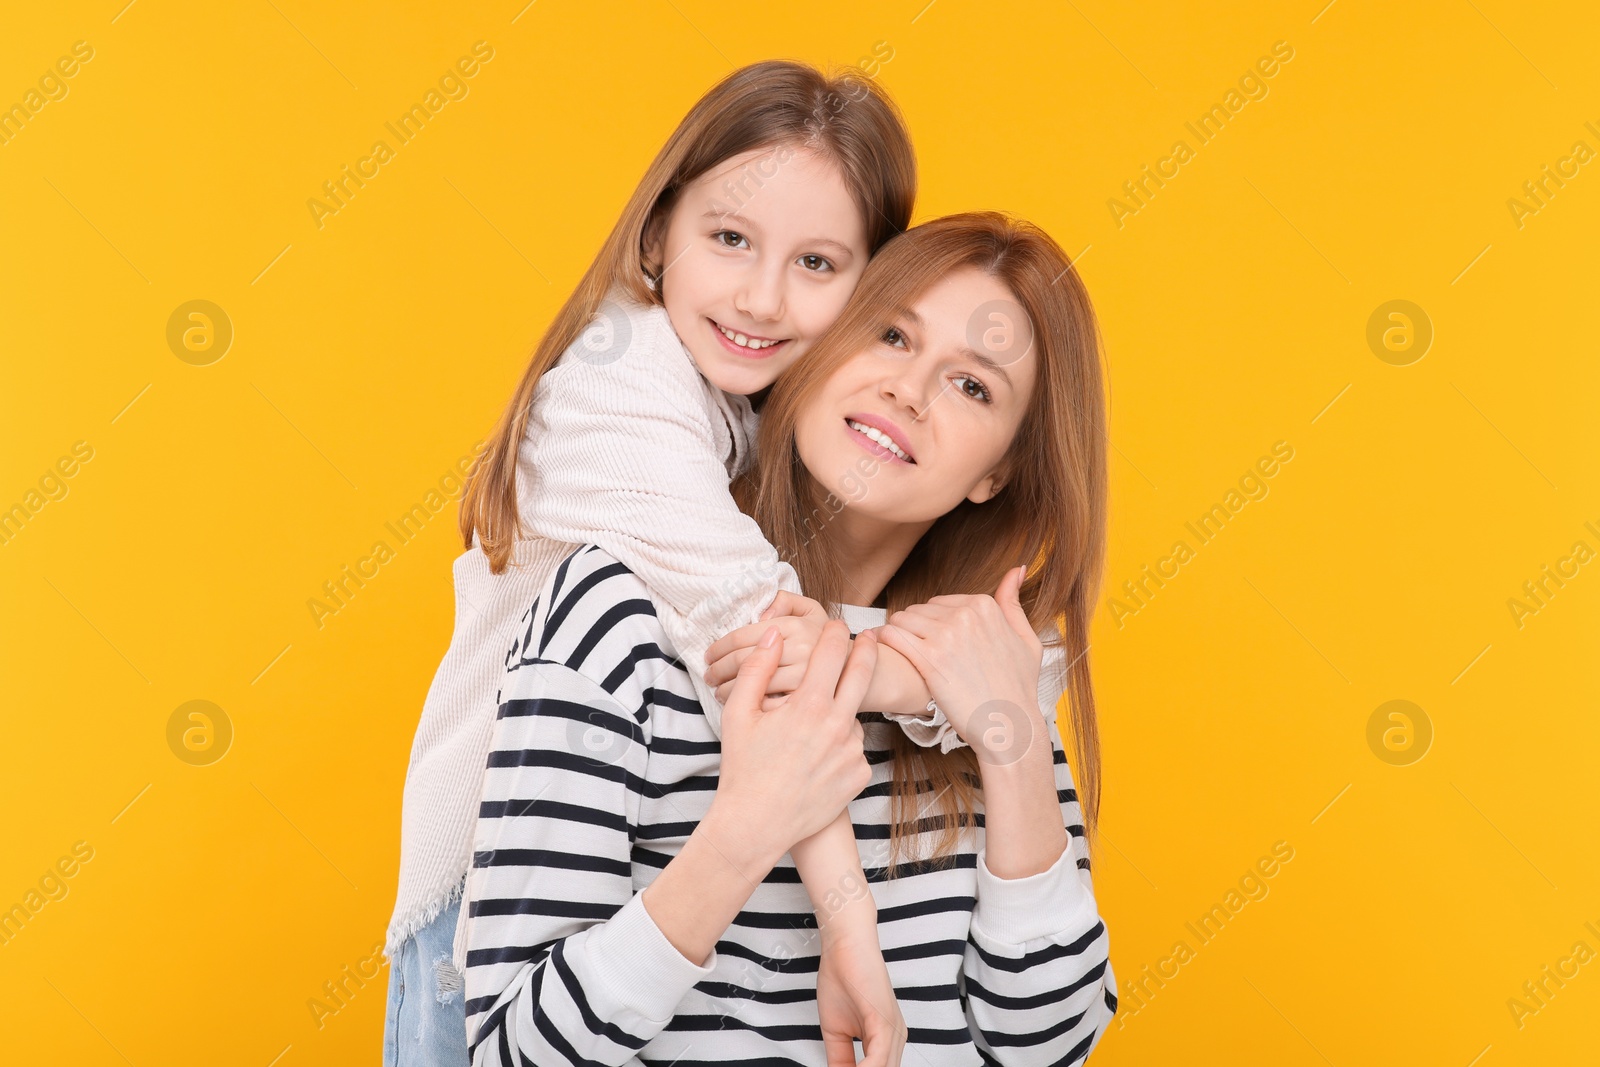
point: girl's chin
(728, 374)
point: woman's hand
(980, 658)
(856, 999)
(799, 620)
(788, 773)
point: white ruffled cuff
(927, 731)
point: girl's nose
(762, 297)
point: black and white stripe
(601, 766)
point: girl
(739, 247)
(630, 904)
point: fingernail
(769, 638)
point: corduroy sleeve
(627, 448)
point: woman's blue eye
(894, 338)
(738, 238)
(983, 390)
(808, 261)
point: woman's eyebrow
(986, 361)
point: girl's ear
(651, 242)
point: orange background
(370, 353)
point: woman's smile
(883, 441)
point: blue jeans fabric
(425, 1023)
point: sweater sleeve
(627, 448)
(564, 964)
(1037, 970)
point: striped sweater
(602, 764)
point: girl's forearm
(697, 895)
(1023, 831)
(896, 687)
(830, 868)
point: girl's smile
(748, 345)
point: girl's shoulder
(629, 363)
(625, 337)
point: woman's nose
(908, 389)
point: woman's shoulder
(595, 617)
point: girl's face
(948, 383)
(761, 251)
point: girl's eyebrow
(739, 220)
(730, 216)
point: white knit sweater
(628, 447)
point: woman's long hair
(844, 117)
(1050, 513)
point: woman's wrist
(1012, 743)
(740, 841)
(699, 893)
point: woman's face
(947, 385)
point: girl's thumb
(775, 608)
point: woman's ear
(987, 488)
(990, 485)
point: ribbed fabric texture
(602, 763)
(452, 739)
(628, 447)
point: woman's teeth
(741, 339)
(879, 436)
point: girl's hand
(788, 773)
(855, 999)
(981, 659)
(799, 620)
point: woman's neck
(869, 552)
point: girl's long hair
(1049, 514)
(844, 117)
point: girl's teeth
(745, 342)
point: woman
(630, 897)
